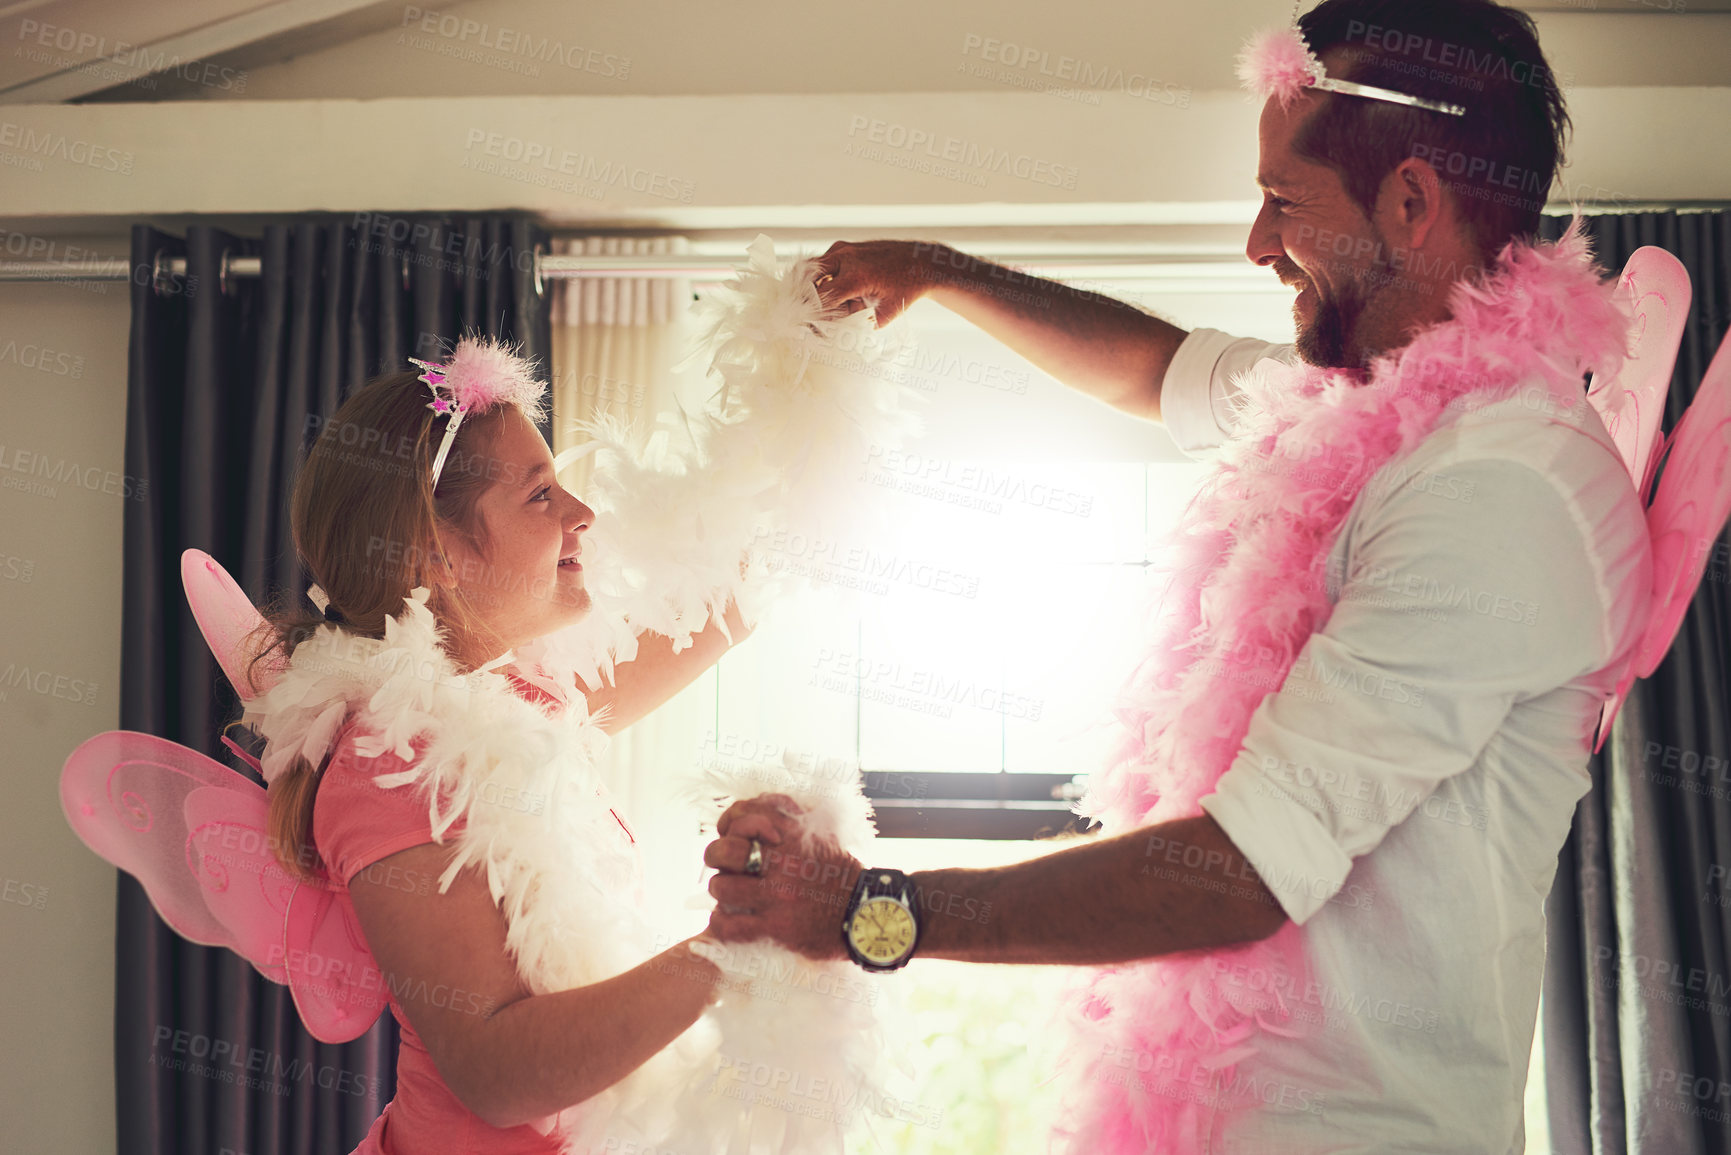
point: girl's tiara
(482, 373)
(1280, 64)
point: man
(1385, 822)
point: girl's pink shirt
(355, 825)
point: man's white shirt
(1406, 791)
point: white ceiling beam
(847, 161)
(198, 44)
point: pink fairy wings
(1689, 510)
(195, 834)
(230, 623)
(1631, 402)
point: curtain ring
(540, 286)
(224, 283)
(161, 273)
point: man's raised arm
(1103, 347)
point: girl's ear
(440, 571)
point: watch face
(882, 930)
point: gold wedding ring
(754, 860)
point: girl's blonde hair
(369, 528)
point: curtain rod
(563, 266)
(698, 267)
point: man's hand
(799, 899)
(1102, 347)
(884, 275)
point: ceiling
(68, 50)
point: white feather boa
(802, 397)
(789, 1055)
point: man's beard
(1328, 341)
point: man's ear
(1413, 198)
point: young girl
(431, 739)
(451, 787)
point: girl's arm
(657, 673)
(509, 1056)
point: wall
(63, 400)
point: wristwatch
(882, 923)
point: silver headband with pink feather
(481, 373)
(1279, 64)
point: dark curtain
(1637, 1004)
(225, 376)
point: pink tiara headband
(1280, 64)
(481, 374)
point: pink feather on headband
(1280, 64)
(483, 373)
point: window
(968, 633)
(962, 650)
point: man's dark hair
(1499, 160)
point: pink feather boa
(1249, 579)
